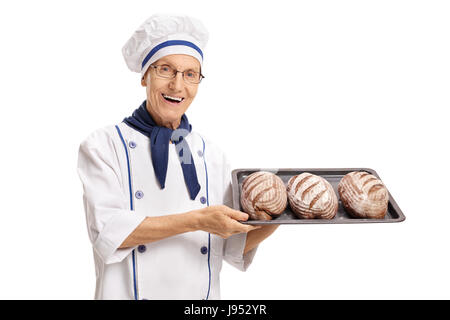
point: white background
(289, 84)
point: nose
(177, 83)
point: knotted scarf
(142, 121)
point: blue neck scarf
(142, 121)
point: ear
(145, 78)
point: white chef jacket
(121, 189)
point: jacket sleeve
(106, 204)
(234, 245)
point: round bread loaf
(263, 195)
(363, 195)
(312, 197)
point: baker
(157, 195)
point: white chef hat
(162, 35)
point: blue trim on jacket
(132, 209)
(209, 234)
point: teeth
(172, 98)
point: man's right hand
(222, 221)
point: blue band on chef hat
(170, 43)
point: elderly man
(157, 195)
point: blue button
(204, 250)
(142, 248)
(200, 153)
(132, 144)
(139, 194)
(203, 200)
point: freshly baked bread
(363, 195)
(312, 197)
(263, 195)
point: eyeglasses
(167, 72)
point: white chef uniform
(121, 189)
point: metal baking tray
(333, 176)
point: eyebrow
(162, 61)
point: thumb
(237, 215)
(251, 227)
(243, 228)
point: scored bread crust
(263, 195)
(363, 195)
(312, 197)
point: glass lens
(191, 76)
(165, 71)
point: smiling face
(163, 94)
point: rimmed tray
(333, 175)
